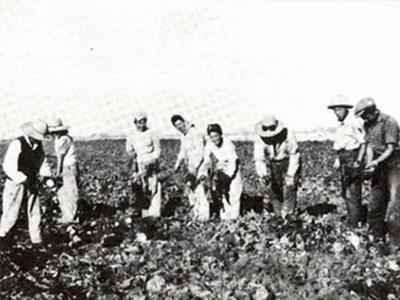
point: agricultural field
(117, 255)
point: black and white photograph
(182, 149)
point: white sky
(95, 63)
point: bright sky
(95, 63)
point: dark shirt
(385, 130)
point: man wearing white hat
(67, 168)
(350, 147)
(277, 161)
(382, 134)
(143, 145)
(23, 162)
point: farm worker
(227, 171)
(277, 162)
(192, 145)
(382, 135)
(67, 168)
(24, 161)
(191, 155)
(143, 146)
(350, 147)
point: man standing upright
(350, 147)
(67, 168)
(23, 162)
(191, 155)
(382, 135)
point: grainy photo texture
(244, 149)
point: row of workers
(372, 148)
(367, 144)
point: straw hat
(269, 127)
(340, 101)
(36, 129)
(57, 125)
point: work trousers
(351, 186)
(384, 202)
(13, 196)
(283, 197)
(68, 194)
(231, 201)
(199, 201)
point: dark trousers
(351, 187)
(282, 197)
(384, 202)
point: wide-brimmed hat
(340, 101)
(57, 125)
(36, 129)
(269, 127)
(364, 104)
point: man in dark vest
(23, 162)
(382, 135)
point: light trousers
(198, 199)
(13, 196)
(154, 188)
(68, 194)
(231, 204)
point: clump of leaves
(312, 255)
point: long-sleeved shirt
(287, 149)
(11, 161)
(192, 149)
(227, 159)
(64, 146)
(144, 146)
(349, 135)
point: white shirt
(144, 146)
(64, 145)
(10, 164)
(349, 135)
(226, 156)
(287, 149)
(192, 148)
